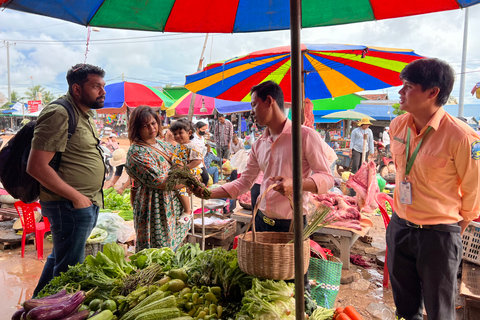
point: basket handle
(257, 205)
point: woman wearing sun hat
(119, 157)
(356, 143)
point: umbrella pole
(296, 76)
(200, 64)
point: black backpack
(14, 157)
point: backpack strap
(72, 126)
(72, 119)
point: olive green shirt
(81, 165)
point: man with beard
(70, 196)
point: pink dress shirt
(274, 158)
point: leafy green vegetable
(218, 267)
(114, 201)
(117, 254)
(322, 314)
(268, 299)
(162, 256)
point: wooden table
(344, 242)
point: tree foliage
(31, 94)
(396, 109)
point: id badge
(405, 192)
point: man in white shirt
(386, 139)
(356, 143)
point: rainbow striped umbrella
(222, 16)
(329, 70)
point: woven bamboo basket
(268, 254)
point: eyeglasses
(151, 124)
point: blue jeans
(70, 230)
(214, 172)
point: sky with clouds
(42, 49)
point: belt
(454, 227)
(272, 222)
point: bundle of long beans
(143, 277)
(317, 221)
(179, 174)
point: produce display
(162, 284)
(114, 201)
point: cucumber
(104, 315)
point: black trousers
(254, 194)
(423, 266)
(356, 160)
(204, 176)
(281, 225)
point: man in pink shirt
(272, 155)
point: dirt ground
(361, 287)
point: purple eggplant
(59, 310)
(56, 295)
(18, 314)
(81, 315)
(23, 316)
(34, 303)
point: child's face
(182, 136)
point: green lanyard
(414, 154)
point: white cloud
(158, 59)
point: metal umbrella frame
(195, 18)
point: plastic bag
(115, 226)
(239, 160)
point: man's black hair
(78, 74)
(269, 88)
(200, 124)
(182, 124)
(221, 115)
(430, 73)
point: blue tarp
(225, 106)
(469, 110)
(378, 112)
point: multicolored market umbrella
(125, 94)
(204, 105)
(225, 16)
(329, 70)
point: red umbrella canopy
(329, 70)
(182, 105)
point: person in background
(271, 154)
(236, 145)
(437, 194)
(112, 143)
(71, 196)
(223, 136)
(386, 140)
(186, 154)
(356, 143)
(200, 141)
(212, 170)
(119, 157)
(155, 210)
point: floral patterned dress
(155, 211)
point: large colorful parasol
(225, 16)
(329, 70)
(125, 94)
(205, 105)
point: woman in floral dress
(155, 210)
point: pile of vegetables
(162, 284)
(114, 201)
(347, 313)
